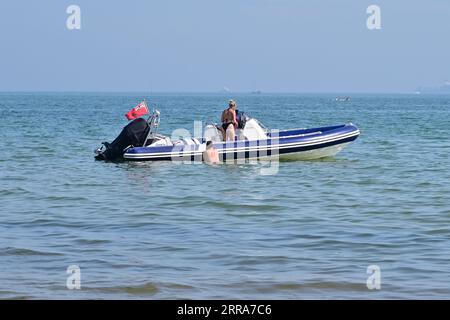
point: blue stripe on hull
(234, 155)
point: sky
(206, 45)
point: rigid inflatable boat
(139, 141)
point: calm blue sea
(164, 230)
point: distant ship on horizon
(342, 99)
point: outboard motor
(133, 134)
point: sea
(373, 222)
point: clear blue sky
(203, 45)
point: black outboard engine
(133, 134)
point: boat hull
(295, 144)
(324, 152)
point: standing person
(229, 121)
(210, 155)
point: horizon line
(256, 92)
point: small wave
(50, 223)
(179, 286)
(325, 159)
(92, 241)
(144, 289)
(6, 294)
(8, 192)
(65, 198)
(15, 178)
(299, 287)
(243, 207)
(330, 285)
(19, 298)
(438, 231)
(26, 252)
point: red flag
(140, 110)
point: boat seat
(166, 141)
(213, 133)
(191, 141)
(195, 144)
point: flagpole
(149, 122)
